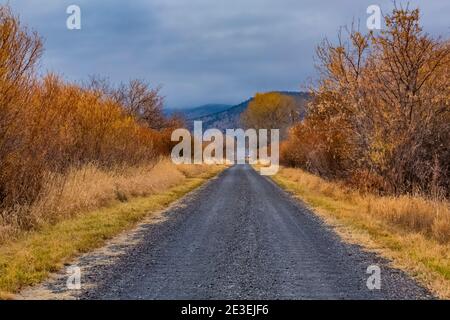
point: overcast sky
(200, 51)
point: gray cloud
(200, 51)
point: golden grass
(412, 231)
(88, 211)
(89, 188)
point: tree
(385, 97)
(20, 50)
(142, 102)
(271, 111)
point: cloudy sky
(200, 51)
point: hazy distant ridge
(229, 117)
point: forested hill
(230, 117)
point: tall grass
(430, 218)
(410, 230)
(88, 188)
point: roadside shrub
(50, 128)
(380, 113)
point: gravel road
(242, 237)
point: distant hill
(196, 112)
(229, 118)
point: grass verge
(410, 231)
(29, 259)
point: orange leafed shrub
(49, 126)
(62, 126)
(380, 113)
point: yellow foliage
(51, 127)
(270, 110)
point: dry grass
(86, 211)
(413, 231)
(89, 188)
(409, 213)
